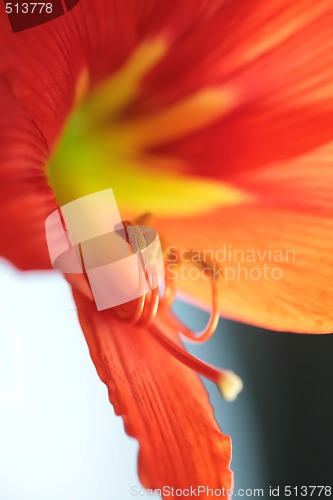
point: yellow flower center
(101, 148)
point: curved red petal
(275, 60)
(42, 65)
(163, 403)
(285, 224)
(40, 69)
(230, 39)
(278, 117)
(26, 199)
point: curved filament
(149, 303)
(169, 296)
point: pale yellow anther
(137, 239)
(230, 385)
(139, 244)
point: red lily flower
(215, 117)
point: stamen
(170, 291)
(169, 295)
(146, 310)
(137, 313)
(150, 312)
(227, 381)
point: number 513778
(29, 8)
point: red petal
(35, 95)
(269, 54)
(291, 209)
(221, 42)
(40, 69)
(276, 58)
(296, 39)
(26, 200)
(164, 404)
(42, 65)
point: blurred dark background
(281, 424)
